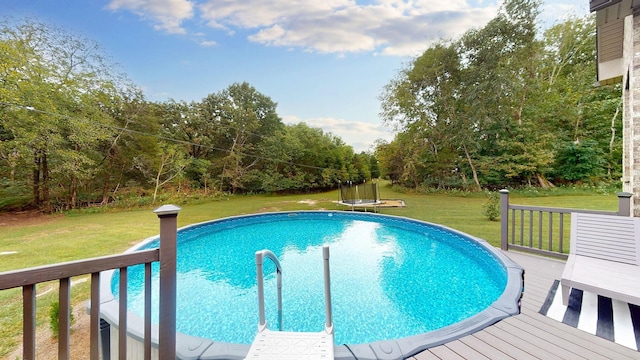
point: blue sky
(324, 62)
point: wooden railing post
(168, 215)
(29, 322)
(504, 219)
(624, 203)
(64, 319)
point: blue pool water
(390, 277)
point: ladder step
(285, 345)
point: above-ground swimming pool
(398, 285)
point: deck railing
(544, 230)
(536, 229)
(166, 255)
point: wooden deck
(531, 335)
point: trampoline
(360, 195)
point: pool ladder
(283, 345)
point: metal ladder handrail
(260, 255)
(327, 290)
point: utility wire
(184, 142)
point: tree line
(504, 105)
(75, 131)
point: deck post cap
(169, 209)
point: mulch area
(392, 203)
(18, 218)
(384, 203)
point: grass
(80, 235)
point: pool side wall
(195, 348)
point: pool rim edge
(191, 347)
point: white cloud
(255, 14)
(207, 43)
(387, 27)
(390, 27)
(359, 134)
(167, 15)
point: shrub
(491, 209)
(54, 314)
(13, 197)
(583, 161)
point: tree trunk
(13, 163)
(46, 197)
(473, 168)
(74, 193)
(521, 107)
(36, 178)
(110, 172)
(105, 192)
(155, 191)
(544, 183)
(613, 137)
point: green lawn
(61, 238)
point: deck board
(484, 348)
(527, 343)
(531, 335)
(443, 352)
(465, 351)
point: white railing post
(168, 215)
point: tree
(190, 123)
(425, 102)
(399, 160)
(170, 164)
(499, 78)
(56, 106)
(242, 117)
(492, 108)
(580, 161)
(75, 131)
(132, 148)
(316, 160)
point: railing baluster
(560, 250)
(147, 311)
(29, 322)
(550, 231)
(530, 228)
(94, 331)
(521, 227)
(540, 230)
(122, 315)
(513, 226)
(64, 325)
